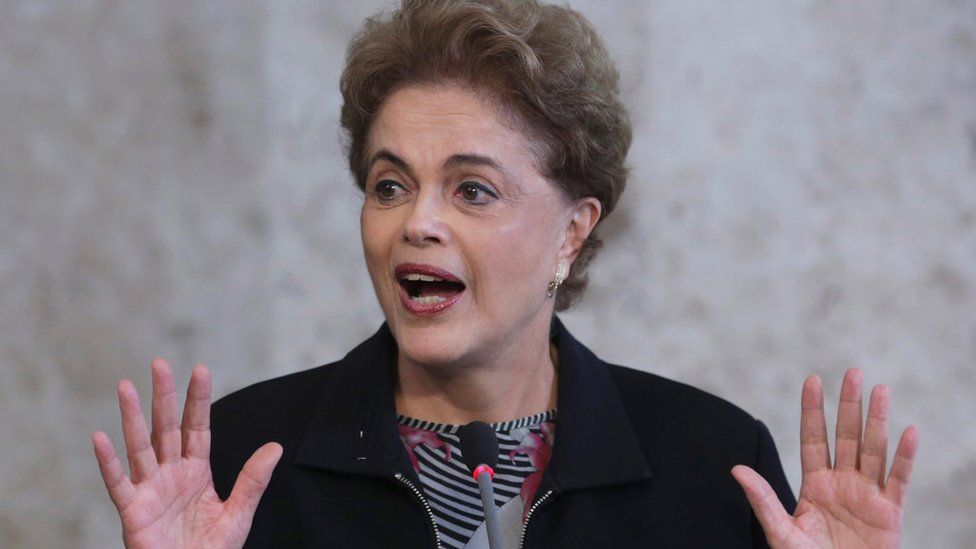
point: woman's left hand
(849, 504)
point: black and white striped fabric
(524, 450)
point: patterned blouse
(524, 447)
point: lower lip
(426, 310)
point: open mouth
(425, 289)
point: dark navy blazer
(638, 461)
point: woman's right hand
(169, 500)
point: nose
(425, 224)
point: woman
(489, 143)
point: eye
(388, 190)
(475, 193)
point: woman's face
(461, 232)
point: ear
(585, 215)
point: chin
(432, 345)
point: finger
(775, 521)
(165, 423)
(814, 448)
(142, 458)
(874, 453)
(849, 419)
(901, 466)
(252, 481)
(196, 415)
(120, 488)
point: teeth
(428, 300)
(421, 277)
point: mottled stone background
(803, 200)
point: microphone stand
(479, 449)
(484, 475)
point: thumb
(252, 481)
(773, 518)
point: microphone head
(479, 445)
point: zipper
(525, 525)
(420, 496)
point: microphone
(479, 449)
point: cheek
(377, 231)
(521, 256)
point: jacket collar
(352, 429)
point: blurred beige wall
(803, 199)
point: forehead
(430, 123)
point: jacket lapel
(595, 444)
(353, 427)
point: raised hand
(849, 504)
(169, 499)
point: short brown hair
(543, 63)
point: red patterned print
(412, 436)
(538, 449)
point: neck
(517, 380)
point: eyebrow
(457, 160)
(454, 161)
(384, 154)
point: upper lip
(404, 269)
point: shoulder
(276, 410)
(687, 433)
(293, 396)
(271, 405)
(647, 392)
(670, 415)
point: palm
(845, 510)
(170, 501)
(848, 503)
(177, 505)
